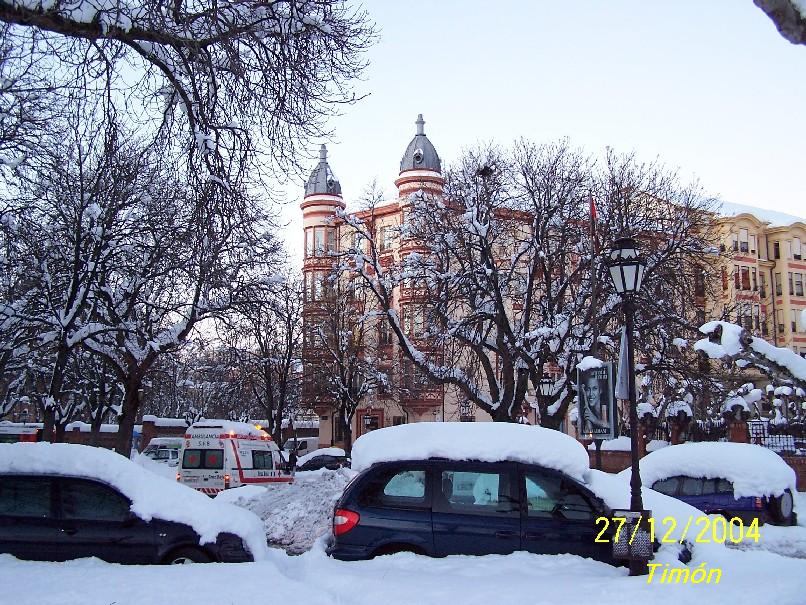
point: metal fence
(787, 438)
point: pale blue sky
(708, 86)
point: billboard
(597, 409)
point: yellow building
(763, 286)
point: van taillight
(344, 520)
(226, 481)
(178, 477)
(759, 503)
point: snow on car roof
(229, 426)
(325, 451)
(753, 470)
(152, 496)
(485, 441)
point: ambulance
(221, 454)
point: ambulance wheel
(183, 556)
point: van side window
(25, 497)
(549, 496)
(396, 488)
(262, 460)
(476, 492)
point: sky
(709, 88)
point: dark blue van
(440, 507)
(715, 496)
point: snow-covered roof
(325, 451)
(753, 470)
(768, 216)
(229, 426)
(165, 421)
(151, 496)
(484, 441)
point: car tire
(782, 509)
(184, 556)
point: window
(691, 486)
(699, 282)
(386, 237)
(798, 284)
(796, 249)
(734, 242)
(743, 240)
(745, 278)
(793, 316)
(667, 486)
(91, 501)
(415, 321)
(752, 244)
(548, 496)
(316, 285)
(211, 459)
(779, 316)
(384, 333)
(484, 492)
(791, 284)
(25, 497)
(398, 420)
(754, 278)
(778, 285)
(466, 413)
(776, 250)
(762, 291)
(757, 317)
(320, 241)
(262, 460)
(723, 486)
(397, 488)
(414, 378)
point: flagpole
(594, 302)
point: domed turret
(322, 180)
(420, 167)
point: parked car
(301, 445)
(164, 450)
(490, 488)
(730, 479)
(330, 458)
(64, 501)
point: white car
(164, 450)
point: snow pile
(656, 444)
(165, 421)
(732, 402)
(325, 451)
(619, 444)
(295, 515)
(588, 363)
(151, 496)
(768, 216)
(753, 470)
(86, 428)
(484, 441)
(645, 409)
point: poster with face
(596, 419)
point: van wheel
(391, 549)
(782, 508)
(184, 556)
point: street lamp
(627, 272)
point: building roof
(322, 179)
(775, 218)
(420, 154)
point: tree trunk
(131, 406)
(58, 432)
(49, 420)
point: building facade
(762, 289)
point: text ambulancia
(219, 454)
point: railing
(789, 438)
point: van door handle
(506, 534)
(530, 535)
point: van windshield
(211, 459)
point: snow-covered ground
(402, 579)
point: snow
(325, 451)
(753, 470)
(86, 428)
(769, 216)
(675, 407)
(732, 402)
(589, 363)
(229, 426)
(484, 441)
(294, 515)
(165, 421)
(645, 409)
(165, 471)
(151, 496)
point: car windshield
(159, 454)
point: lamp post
(545, 388)
(627, 272)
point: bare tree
(789, 17)
(340, 352)
(517, 288)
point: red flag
(594, 215)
